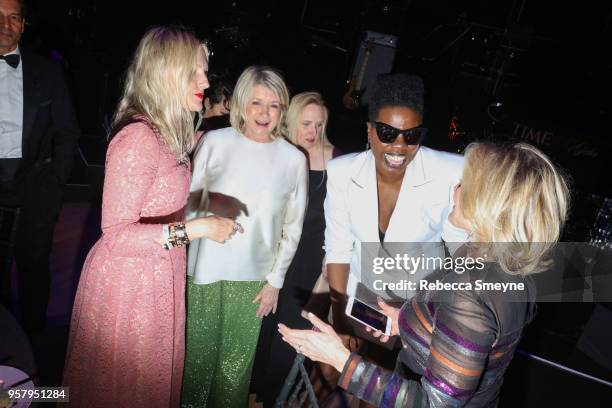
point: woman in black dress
(306, 121)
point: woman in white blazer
(397, 191)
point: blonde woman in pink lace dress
(126, 346)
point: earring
(367, 145)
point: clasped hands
(323, 344)
(213, 227)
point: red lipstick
(200, 95)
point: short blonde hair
(156, 85)
(513, 195)
(248, 80)
(297, 105)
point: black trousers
(32, 250)
(40, 202)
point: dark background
(557, 78)
(554, 60)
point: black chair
(293, 395)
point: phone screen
(369, 315)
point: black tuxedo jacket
(49, 136)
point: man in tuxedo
(38, 138)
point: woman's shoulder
(218, 140)
(220, 134)
(135, 146)
(287, 148)
(137, 135)
(343, 167)
(347, 160)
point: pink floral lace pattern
(126, 345)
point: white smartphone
(367, 315)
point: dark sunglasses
(388, 134)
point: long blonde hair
(516, 202)
(156, 86)
(248, 80)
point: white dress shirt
(420, 215)
(11, 109)
(269, 181)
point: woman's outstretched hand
(320, 344)
(391, 313)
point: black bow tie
(12, 60)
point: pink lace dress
(126, 345)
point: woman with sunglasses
(461, 340)
(397, 191)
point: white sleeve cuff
(337, 258)
(275, 280)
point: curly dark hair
(401, 90)
(220, 88)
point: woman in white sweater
(250, 173)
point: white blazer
(420, 215)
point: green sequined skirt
(222, 332)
